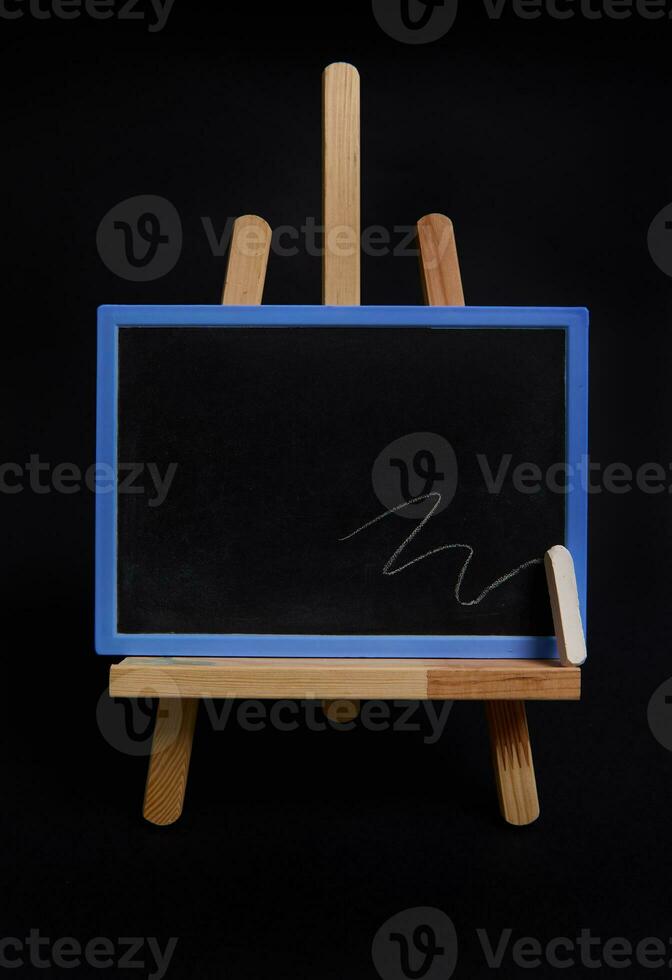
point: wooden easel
(503, 685)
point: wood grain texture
(512, 761)
(341, 186)
(503, 680)
(564, 594)
(507, 721)
(248, 259)
(313, 678)
(169, 761)
(439, 264)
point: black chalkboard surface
(377, 480)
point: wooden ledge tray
(261, 677)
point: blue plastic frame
(574, 321)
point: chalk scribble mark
(389, 569)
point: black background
(274, 433)
(546, 143)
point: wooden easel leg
(169, 762)
(512, 761)
(509, 736)
(176, 717)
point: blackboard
(314, 481)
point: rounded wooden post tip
(439, 264)
(343, 67)
(256, 230)
(435, 218)
(252, 219)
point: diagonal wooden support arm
(439, 264)
(248, 259)
(176, 717)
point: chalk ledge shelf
(308, 678)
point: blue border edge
(110, 643)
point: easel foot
(512, 761)
(169, 761)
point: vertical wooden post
(341, 217)
(341, 186)
(176, 717)
(507, 721)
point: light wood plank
(503, 680)
(248, 259)
(169, 761)
(341, 186)
(564, 594)
(512, 761)
(314, 678)
(439, 264)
